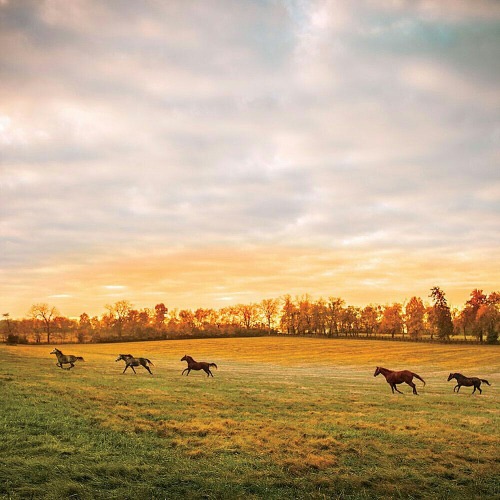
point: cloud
(324, 125)
(210, 277)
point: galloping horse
(130, 361)
(467, 381)
(195, 365)
(63, 359)
(394, 378)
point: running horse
(467, 381)
(63, 359)
(195, 365)
(393, 378)
(130, 361)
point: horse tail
(79, 358)
(150, 362)
(485, 381)
(419, 377)
(212, 364)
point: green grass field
(282, 418)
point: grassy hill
(282, 418)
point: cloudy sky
(205, 153)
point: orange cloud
(215, 277)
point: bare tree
(45, 313)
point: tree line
(478, 320)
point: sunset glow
(204, 154)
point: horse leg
(125, 369)
(147, 368)
(185, 369)
(133, 369)
(412, 385)
(210, 371)
(397, 390)
(71, 365)
(458, 390)
(479, 388)
(455, 388)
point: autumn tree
(62, 326)
(305, 317)
(8, 327)
(269, 309)
(488, 322)
(392, 319)
(350, 320)
(370, 319)
(119, 312)
(414, 317)
(84, 327)
(442, 314)
(334, 309)
(289, 315)
(485, 314)
(206, 320)
(319, 319)
(470, 313)
(248, 314)
(46, 314)
(160, 315)
(186, 321)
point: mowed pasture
(282, 418)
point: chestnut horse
(394, 378)
(63, 359)
(130, 361)
(195, 365)
(467, 381)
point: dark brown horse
(394, 378)
(63, 359)
(195, 365)
(130, 361)
(467, 381)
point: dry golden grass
(293, 352)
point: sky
(209, 153)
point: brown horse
(63, 359)
(195, 365)
(467, 381)
(130, 361)
(394, 378)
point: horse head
(377, 371)
(55, 351)
(452, 375)
(185, 357)
(124, 357)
